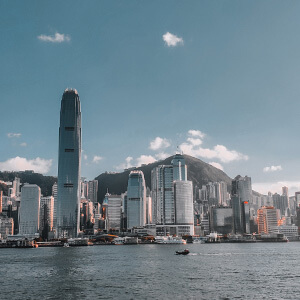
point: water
(210, 271)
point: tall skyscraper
(241, 197)
(136, 200)
(30, 209)
(69, 163)
(267, 219)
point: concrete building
(29, 209)
(113, 211)
(136, 200)
(69, 164)
(46, 214)
(6, 226)
(221, 220)
(184, 212)
(267, 220)
(54, 195)
(93, 191)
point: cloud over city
(159, 143)
(272, 169)
(172, 40)
(38, 165)
(97, 159)
(56, 38)
(192, 146)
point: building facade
(69, 164)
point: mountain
(198, 171)
(44, 182)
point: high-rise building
(241, 197)
(113, 211)
(172, 197)
(221, 220)
(267, 220)
(69, 164)
(46, 214)
(16, 187)
(54, 194)
(30, 209)
(93, 191)
(184, 209)
(136, 200)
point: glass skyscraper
(69, 163)
(136, 200)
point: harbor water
(210, 271)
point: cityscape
(169, 211)
(149, 149)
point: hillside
(44, 182)
(198, 171)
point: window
(69, 150)
(68, 185)
(69, 128)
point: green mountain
(198, 171)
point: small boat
(184, 252)
(66, 245)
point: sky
(218, 80)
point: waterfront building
(290, 231)
(241, 197)
(1, 195)
(267, 220)
(184, 214)
(6, 226)
(69, 163)
(29, 209)
(221, 220)
(113, 211)
(136, 200)
(148, 207)
(46, 215)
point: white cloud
(192, 147)
(23, 144)
(38, 165)
(159, 143)
(272, 169)
(14, 135)
(57, 38)
(126, 165)
(97, 159)
(196, 133)
(216, 165)
(145, 159)
(85, 157)
(162, 155)
(172, 40)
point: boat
(119, 241)
(66, 245)
(184, 252)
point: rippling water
(211, 271)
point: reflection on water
(213, 271)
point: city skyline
(214, 80)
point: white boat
(66, 245)
(119, 241)
(169, 240)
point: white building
(29, 209)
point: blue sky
(218, 79)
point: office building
(46, 215)
(69, 163)
(30, 209)
(267, 220)
(113, 211)
(136, 200)
(221, 220)
(93, 191)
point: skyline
(217, 80)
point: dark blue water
(211, 271)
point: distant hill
(199, 173)
(44, 182)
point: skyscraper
(136, 200)
(69, 163)
(30, 209)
